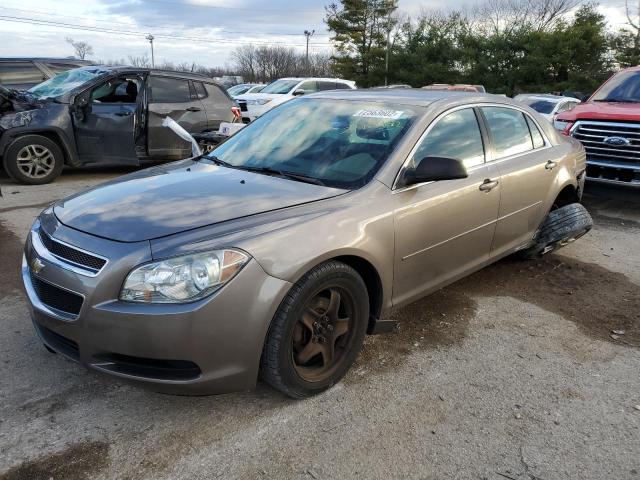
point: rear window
(16, 73)
(169, 90)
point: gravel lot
(510, 373)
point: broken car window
(66, 82)
(117, 90)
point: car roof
(547, 96)
(300, 79)
(173, 73)
(45, 59)
(413, 96)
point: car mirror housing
(298, 92)
(432, 169)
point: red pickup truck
(608, 125)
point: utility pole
(386, 57)
(308, 34)
(150, 38)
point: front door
(520, 154)
(445, 229)
(105, 126)
(175, 98)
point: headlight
(182, 279)
(263, 101)
(562, 125)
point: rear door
(175, 98)
(520, 153)
(105, 128)
(217, 104)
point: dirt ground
(524, 371)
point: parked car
(243, 88)
(24, 73)
(458, 87)
(276, 93)
(608, 125)
(549, 106)
(104, 114)
(276, 253)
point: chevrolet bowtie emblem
(36, 265)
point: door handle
(488, 185)
(551, 165)
(123, 114)
(194, 109)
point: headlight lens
(182, 279)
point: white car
(548, 105)
(256, 104)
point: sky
(201, 31)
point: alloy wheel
(35, 161)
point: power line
(153, 27)
(50, 23)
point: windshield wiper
(214, 159)
(300, 177)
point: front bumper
(209, 346)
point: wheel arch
(53, 134)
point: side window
(536, 136)
(217, 96)
(200, 90)
(509, 131)
(117, 90)
(169, 90)
(457, 135)
(342, 86)
(17, 73)
(326, 86)
(309, 87)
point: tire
(308, 321)
(33, 160)
(561, 227)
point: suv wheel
(33, 160)
(317, 332)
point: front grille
(59, 343)
(72, 255)
(56, 297)
(149, 367)
(593, 134)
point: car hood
(603, 111)
(162, 201)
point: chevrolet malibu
(276, 253)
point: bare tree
(81, 48)
(506, 16)
(141, 61)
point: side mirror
(431, 169)
(297, 93)
(81, 105)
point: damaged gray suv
(276, 253)
(105, 115)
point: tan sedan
(277, 252)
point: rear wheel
(317, 332)
(33, 160)
(561, 227)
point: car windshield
(280, 87)
(238, 89)
(336, 143)
(541, 106)
(65, 82)
(623, 87)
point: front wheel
(33, 160)
(317, 332)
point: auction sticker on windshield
(388, 114)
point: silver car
(275, 254)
